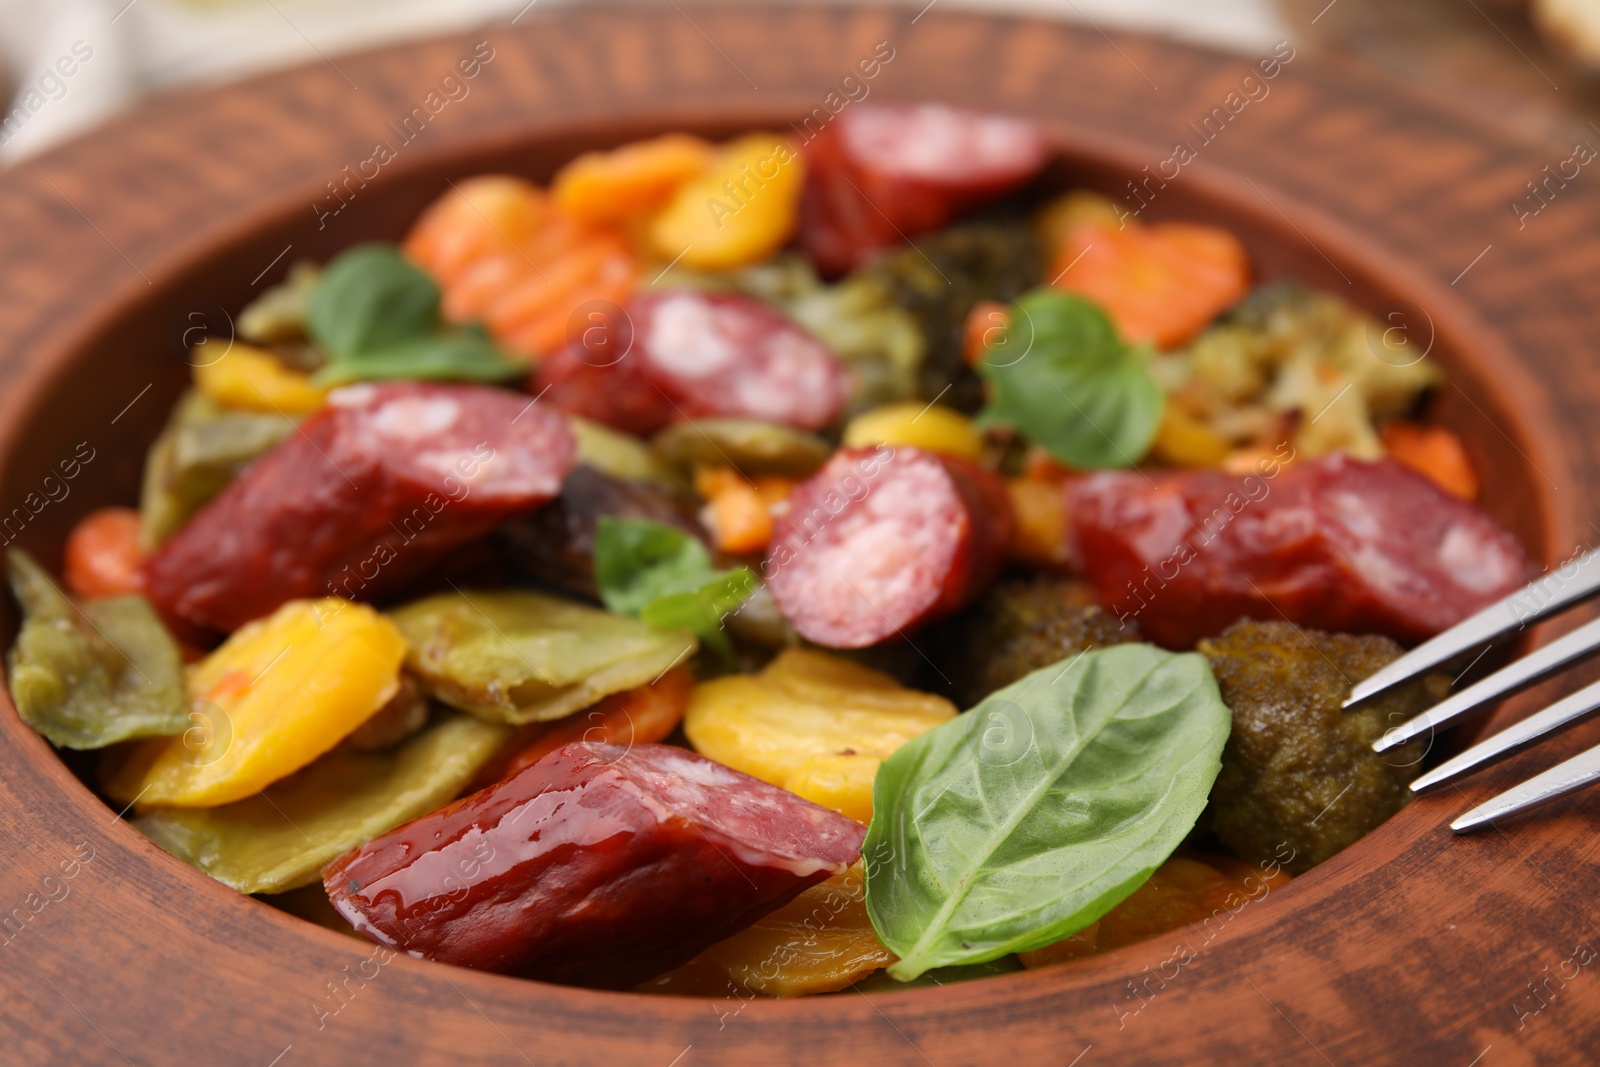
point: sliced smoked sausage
(692, 354)
(376, 486)
(600, 865)
(1333, 543)
(881, 540)
(884, 173)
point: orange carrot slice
(103, 554)
(1435, 453)
(1160, 283)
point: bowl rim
(1467, 334)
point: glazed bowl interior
(115, 386)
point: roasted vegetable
(1017, 627)
(941, 278)
(1435, 453)
(751, 447)
(739, 507)
(1161, 283)
(555, 544)
(279, 693)
(239, 377)
(201, 450)
(819, 942)
(629, 184)
(620, 455)
(281, 839)
(1289, 363)
(517, 657)
(739, 211)
(506, 254)
(90, 676)
(1299, 770)
(639, 716)
(929, 426)
(278, 316)
(815, 724)
(103, 554)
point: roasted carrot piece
(103, 555)
(505, 253)
(738, 509)
(639, 716)
(985, 324)
(1160, 283)
(1433, 452)
(628, 183)
(1040, 509)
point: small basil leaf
(1063, 378)
(459, 355)
(371, 298)
(1032, 815)
(664, 577)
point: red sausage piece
(882, 173)
(378, 485)
(695, 354)
(881, 540)
(1333, 543)
(600, 865)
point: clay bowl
(1411, 947)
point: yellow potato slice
(279, 693)
(814, 724)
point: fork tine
(1552, 592)
(1562, 713)
(1567, 649)
(1559, 780)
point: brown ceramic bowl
(1411, 947)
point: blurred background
(67, 64)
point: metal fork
(1566, 586)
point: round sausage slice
(600, 865)
(882, 540)
(374, 488)
(693, 354)
(1334, 543)
(885, 173)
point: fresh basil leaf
(664, 577)
(1032, 815)
(458, 355)
(376, 316)
(1062, 377)
(370, 298)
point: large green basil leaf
(91, 676)
(1032, 815)
(664, 577)
(518, 656)
(282, 839)
(1062, 378)
(370, 297)
(464, 355)
(375, 315)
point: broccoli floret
(1018, 626)
(1299, 771)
